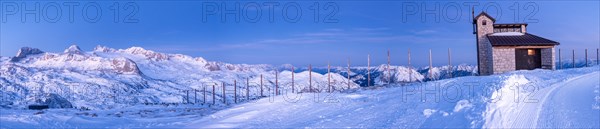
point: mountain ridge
(110, 78)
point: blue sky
(356, 29)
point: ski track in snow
(570, 104)
(566, 104)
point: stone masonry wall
(548, 60)
(485, 47)
(504, 59)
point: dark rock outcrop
(24, 52)
(53, 101)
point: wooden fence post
(409, 67)
(261, 85)
(224, 95)
(368, 70)
(276, 82)
(586, 58)
(573, 59)
(309, 78)
(559, 60)
(388, 68)
(247, 89)
(187, 96)
(195, 96)
(213, 93)
(204, 94)
(450, 63)
(348, 73)
(597, 58)
(234, 91)
(293, 87)
(328, 78)
(430, 65)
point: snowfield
(138, 88)
(548, 103)
(564, 99)
(545, 99)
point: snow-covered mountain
(381, 75)
(108, 78)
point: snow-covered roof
(507, 34)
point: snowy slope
(412, 106)
(464, 102)
(568, 103)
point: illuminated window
(530, 52)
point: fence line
(565, 64)
(206, 89)
(330, 87)
(186, 96)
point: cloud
(304, 40)
(325, 34)
(372, 29)
(422, 32)
(352, 35)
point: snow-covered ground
(567, 98)
(521, 99)
(547, 102)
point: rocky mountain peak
(103, 49)
(147, 53)
(73, 49)
(24, 51)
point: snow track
(568, 103)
